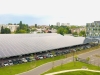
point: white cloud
(73, 11)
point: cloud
(73, 11)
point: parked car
(68, 51)
(49, 55)
(88, 46)
(10, 62)
(40, 57)
(15, 61)
(6, 64)
(19, 61)
(57, 53)
(24, 60)
(29, 59)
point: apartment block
(11, 27)
(58, 23)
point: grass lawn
(69, 66)
(15, 69)
(79, 73)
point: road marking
(64, 71)
(57, 60)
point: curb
(54, 61)
(72, 71)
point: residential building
(65, 24)
(93, 29)
(39, 30)
(78, 29)
(11, 27)
(58, 23)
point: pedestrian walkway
(72, 71)
(45, 67)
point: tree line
(67, 30)
(63, 30)
(5, 30)
(23, 28)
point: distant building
(65, 24)
(93, 29)
(11, 27)
(58, 23)
(78, 29)
(39, 30)
(68, 24)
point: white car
(10, 62)
(49, 55)
(24, 60)
(6, 64)
(40, 57)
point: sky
(45, 12)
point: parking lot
(40, 56)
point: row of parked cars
(15, 61)
(24, 59)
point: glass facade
(93, 29)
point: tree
(51, 26)
(21, 31)
(73, 26)
(75, 33)
(76, 57)
(82, 33)
(15, 24)
(63, 30)
(7, 30)
(9, 23)
(23, 28)
(2, 30)
(88, 59)
(20, 25)
(60, 31)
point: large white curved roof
(19, 44)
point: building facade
(65, 24)
(93, 29)
(13, 28)
(58, 23)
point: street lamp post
(73, 56)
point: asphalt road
(43, 68)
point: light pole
(73, 56)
